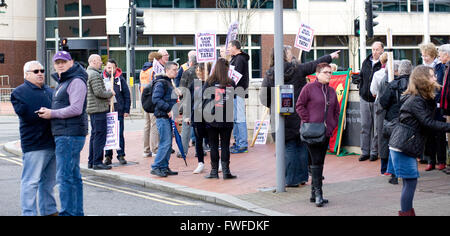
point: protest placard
(234, 75)
(304, 38)
(206, 47)
(263, 131)
(232, 34)
(112, 131)
(157, 67)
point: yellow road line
(131, 193)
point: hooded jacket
(240, 61)
(123, 99)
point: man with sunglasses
(38, 146)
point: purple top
(77, 91)
(311, 105)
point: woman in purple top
(311, 108)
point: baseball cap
(62, 55)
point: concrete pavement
(353, 187)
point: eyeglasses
(327, 72)
(37, 71)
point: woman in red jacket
(311, 109)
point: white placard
(157, 67)
(112, 131)
(304, 38)
(262, 135)
(234, 75)
(206, 47)
(232, 34)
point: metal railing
(5, 94)
(4, 78)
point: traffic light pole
(132, 50)
(362, 32)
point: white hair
(445, 49)
(27, 66)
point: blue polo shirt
(35, 132)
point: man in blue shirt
(38, 146)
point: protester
(98, 99)
(194, 115)
(295, 74)
(436, 145)
(218, 111)
(408, 138)
(151, 135)
(368, 136)
(36, 139)
(312, 107)
(122, 103)
(184, 68)
(164, 98)
(69, 127)
(239, 59)
(444, 57)
(187, 79)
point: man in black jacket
(239, 60)
(369, 144)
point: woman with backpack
(219, 117)
(407, 141)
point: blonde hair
(154, 55)
(429, 49)
(421, 84)
(384, 58)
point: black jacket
(294, 74)
(365, 78)
(240, 61)
(390, 99)
(218, 105)
(416, 123)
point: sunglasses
(37, 71)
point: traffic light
(370, 8)
(123, 35)
(356, 27)
(137, 24)
(63, 44)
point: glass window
(326, 41)
(221, 40)
(143, 40)
(206, 3)
(120, 57)
(440, 40)
(2, 58)
(184, 3)
(55, 8)
(232, 4)
(162, 3)
(441, 6)
(94, 28)
(268, 4)
(142, 3)
(67, 28)
(162, 40)
(256, 40)
(407, 40)
(343, 59)
(94, 8)
(185, 40)
(256, 63)
(411, 54)
(114, 40)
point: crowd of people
(396, 118)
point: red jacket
(311, 105)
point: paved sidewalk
(353, 187)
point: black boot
(214, 174)
(317, 171)
(226, 171)
(108, 160)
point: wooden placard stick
(260, 126)
(390, 61)
(111, 109)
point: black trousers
(98, 138)
(200, 135)
(224, 135)
(436, 148)
(317, 153)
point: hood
(289, 71)
(244, 55)
(147, 66)
(116, 75)
(76, 71)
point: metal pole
(133, 52)
(127, 44)
(279, 80)
(426, 21)
(40, 36)
(362, 31)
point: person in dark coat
(295, 74)
(369, 139)
(416, 122)
(121, 106)
(444, 57)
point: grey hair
(27, 66)
(192, 56)
(445, 49)
(169, 65)
(405, 67)
(396, 65)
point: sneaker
(220, 167)
(108, 160)
(158, 172)
(122, 160)
(145, 155)
(200, 168)
(240, 150)
(441, 166)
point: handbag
(315, 133)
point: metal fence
(5, 94)
(4, 80)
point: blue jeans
(38, 176)
(165, 144)
(240, 123)
(296, 162)
(68, 174)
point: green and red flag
(340, 81)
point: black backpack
(147, 94)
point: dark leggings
(317, 153)
(409, 188)
(225, 136)
(200, 135)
